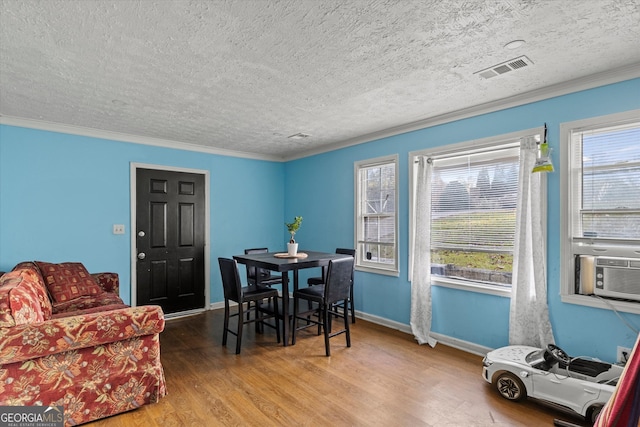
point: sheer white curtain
(421, 274)
(529, 315)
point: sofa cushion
(71, 311)
(109, 282)
(68, 280)
(87, 302)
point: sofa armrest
(30, 341)
(109, 282)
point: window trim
(468, 147)
(390, 270)
(567, 279)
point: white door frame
(207, 226)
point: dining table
(284, 263)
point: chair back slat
(230, 279)
(338, 280)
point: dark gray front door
(170, 229)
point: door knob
(141, 233)
(141, 255)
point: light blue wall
(61, 194)
(321, 188)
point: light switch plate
(118, 228)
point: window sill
(500, 291)
(606, 304)
(385, 272)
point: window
(474, 193)
(601, 210)
(376, 215)
(473, 215)
(606, 184)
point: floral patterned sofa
(67, 339)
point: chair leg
(294, 321)
(325, 322)
(276, 317)
(346, 324)
(309, 307)
(259, 326)
(240, 324)
(226, 323)
(353, 309)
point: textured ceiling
(244, 75)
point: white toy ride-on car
(579, 384)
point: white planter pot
(292, 249)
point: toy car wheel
(593, 413)
(510, 387)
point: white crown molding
(617, 75)
(116, 136)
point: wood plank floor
(384, 379)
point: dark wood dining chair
(266, 278)
(233, 291)
(325, 299)
(319, 281)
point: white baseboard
(216, 305)
(180, 315)
(467, 346)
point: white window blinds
(474, 201)
(606, 183)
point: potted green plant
(292, 227)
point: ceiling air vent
(505, 67)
